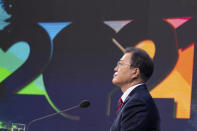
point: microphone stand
(50, 115)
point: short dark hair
(141, 60)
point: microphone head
(84, 104)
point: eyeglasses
(120, 63)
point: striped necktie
(119, 105)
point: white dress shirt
(128, 91)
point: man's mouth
(115, 74)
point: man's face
(123, 72)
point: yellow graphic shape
(178, 84)
(148, 46)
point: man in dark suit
(136, 110)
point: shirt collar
(128, 91)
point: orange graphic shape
(178, 84)
(148, 46)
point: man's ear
(135, 73)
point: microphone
(83, 104)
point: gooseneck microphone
(83, 104)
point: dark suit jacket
(138, 113)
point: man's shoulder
(140, 95)
(141, 92)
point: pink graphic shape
(176, 22)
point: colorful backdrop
(55, 53)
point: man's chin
(115, 81)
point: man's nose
(116, 68)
